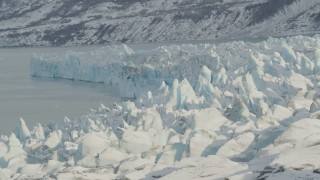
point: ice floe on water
(234, 110)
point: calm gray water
(43, 100)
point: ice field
(236, 110)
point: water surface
(43, 99)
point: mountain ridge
(79, 22)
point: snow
(212, 167)
(56, 22)
(235, 110)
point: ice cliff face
(235, 110)
(207, 67)
(70, 22)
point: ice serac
(110, 156)
(182, 96)
(204, 143)
(220, 78)
(288, 54)
(136, 142)
(22, 131)
(281, 114)
(315, 106)
(317, 61)
(239, 148)
(187, 95)
(14, 155)
(238, 111)
(150, 119)
(54, 139)
(174, 101)
(205, 87)
(39, 132)
(208, 119)
(93, 143)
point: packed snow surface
(234, 110)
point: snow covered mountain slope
(70, 22)
(240, 111)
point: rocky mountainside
(72, 22)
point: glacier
(236, 110)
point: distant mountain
(72, 22)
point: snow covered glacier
(235, 110)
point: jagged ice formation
(234, 110)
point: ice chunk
(204, 143)
(317, 61)
(136, 142)
(205, 87)
(172, 153)
(53, 166)
(182, 96)
(300, 102)
(33, 170)
(298, 81)
(261, 109)
(206, 73)
(302, 133)
(238, 111)
(150, 119)
(254, 63)
(251, 88)
(3, 151)
(315, 106)
(220, 79)
(54, 139)
(163, 137)
(188, 96)
(175, 99)
(108, 157)
(39, 133)
(239, 148)
(307, 66)
(208, 119)
(281, 113)
(94, 143)
(15, 157)
(133, 164)
(22, 131)
(288, 54)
